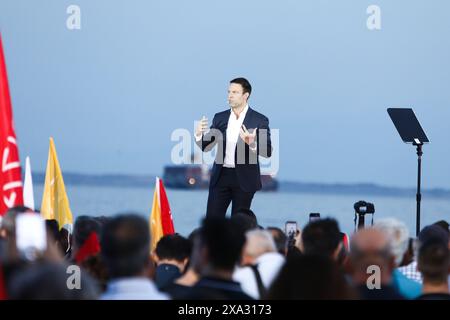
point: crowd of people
(224, 258)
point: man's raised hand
(249, 138)
(202, 126)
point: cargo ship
(196, 177)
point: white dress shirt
(233, 135)
(269, 265)
(233, 129)
(133, 288)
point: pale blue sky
(112, 92)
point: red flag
(161, 223)
(166, 214)
(11, 193)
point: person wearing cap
(438, 230)
(434, 264)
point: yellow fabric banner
(55, 203)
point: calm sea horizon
(271, 208)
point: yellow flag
(55, 204)
(156, 230)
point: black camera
(362, 207)
(314, 216)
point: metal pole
(418, 196)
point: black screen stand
(410, 131)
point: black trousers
(227, 190)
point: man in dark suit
(235, 175)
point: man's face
(236, 96)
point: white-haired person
(260, 263)
(397, 234)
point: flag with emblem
(11, 192)
(161, 222)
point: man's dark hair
(280, 239)
(434, 261)
(125, 243)
(245, 219)
(223, 240)
(83, 228)
(18, 209)
(310, 277)
(173, 246)
(52, 228)
(433, 231)
(9, 218)
(321, 237)
(443, 224)
(246, 86)
(102, 220)
(48, 281)
(193, 235)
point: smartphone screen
(314, 216)
(291, 228)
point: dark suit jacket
(210, 288)
(246, 161)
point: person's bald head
(370, 247)
(369, 240)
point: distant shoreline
(148, 181)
